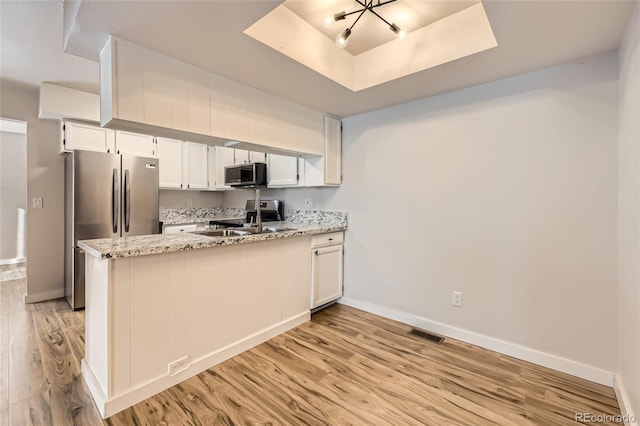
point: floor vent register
(426, 335)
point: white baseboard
(110, 406)
(524, 353)
(41, 297)
(623, 400)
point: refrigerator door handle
(115, 198)
(127, 200)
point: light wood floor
(343, 367)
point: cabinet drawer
(176, 229)
(327, 239)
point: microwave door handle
(115, 201)
(127, 200)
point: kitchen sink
(235, 232)
(275, 229)
(225, 233)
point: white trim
(623, 400)
(120, 402)
(12, 261)
(524, 353)
(41, 297)
(13, 126)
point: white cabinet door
(224, 156)
(129, 81)
(236, 123)
(170, 156)
(332, 151)
(157, 88)
(87, 137)
(327, 273)
(241, 156)
(194, 166)
(216, 100)
(257, 157)
(199, 111)
(128, 143)
(282, 170)
(179, 96)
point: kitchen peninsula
(163, 308)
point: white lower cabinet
(327, 268)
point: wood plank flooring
(344, 367)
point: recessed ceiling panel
(431, 39)
(370, 31)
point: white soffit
(452, 37)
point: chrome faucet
(258, 212)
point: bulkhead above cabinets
(142, 90)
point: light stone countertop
(117, 248)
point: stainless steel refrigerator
(106, 196)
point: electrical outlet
(308, 202)
(178, 365)
(189, 202)
(456, 299)
(37, 203)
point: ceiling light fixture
(343, 38)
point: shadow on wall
(13, 190)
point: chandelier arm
(383, 20)
(373, 6)
(361, 13)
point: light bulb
(343, 38)
(328, 21)
(398, 31)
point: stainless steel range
(272, 211)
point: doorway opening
(13, 200)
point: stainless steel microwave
(248, 174)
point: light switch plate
(37, 203)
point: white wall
(171, 199)
(504, 191)
(13, 192)
(45, 178)
(629, 216)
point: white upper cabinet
(282, 171)
(141, 90)
(157, 88)
(137, 144)
(198, 105)
(194, 166)
(170, 156)
(179, 95)
(219, 157)
(326, 170)
(121, 82)
(332, 151)
(257, 157)
(236, 122)
(216, 100)
(87, 137)
(241, 156)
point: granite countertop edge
(144, 245)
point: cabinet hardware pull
(316, 252)
(330, 239)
